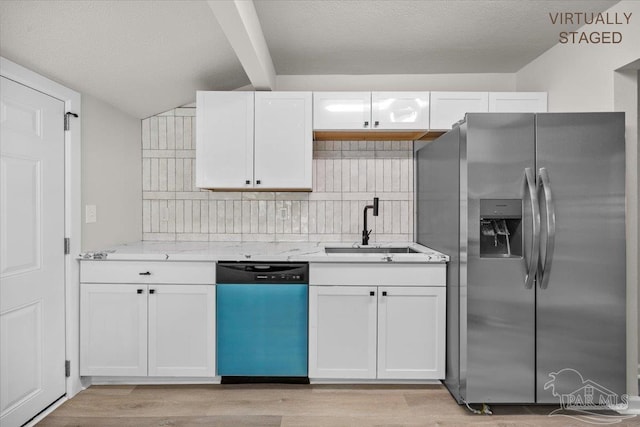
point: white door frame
(72, 207)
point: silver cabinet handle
(532, 265)
(545, 267)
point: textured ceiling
(143, 57)
(411, 37)
(146, 57)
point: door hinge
(66, 119)
(67, 246)
(67, 368)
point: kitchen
(153, 148)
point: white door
(32, 335)
(411, 332)
(342, 331)
(224, 140)
(400, 110)
(341, 110)
(517, 102)
(447, 108)
(283, 140)
(113, 329)
(182, 330)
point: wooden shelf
(369, 135)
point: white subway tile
(262, 216)
(254, 221)
(204, 216)
(321, 217)
(304, 217)
(185, 111)
(171, 133)
(271, 217)
(221, 227)
(159, 237)
(179, 174)
(345, 166)
(164, 213)
(346, 217)
(192, 237)
(388, 217)
(171, 174)
(154, 175)
(387, 177)
(179, 216)
(162, 174)
(146, 174)
(337, 175)
(146, 216)
(295, 216)
(328, 175)
(155, 216)
(179, 133)
(213, 217)
(187, 133)
(395, 216)
(371, 175)
(188, 216)
(187, 183)
(328, 217)
(404, 175)
(246, 216)
(153, 133)
(162, 133)
(353, 185)
(237, 216)
(362, 175)
(279, 221)
(192, 195)
(320, 175)
(291, 237)
(337, 217)
(286, 223)
(313, 216)
(225, 237)
(395, 175)
(171, 223)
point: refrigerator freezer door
(499, 314)
(581, 312)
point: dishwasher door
(262, 328)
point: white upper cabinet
(370, 110)
(400, 110)
(518, 102)
(447, 108)
(341, 110)
(224, 140)
(283, 140)
(253, 142)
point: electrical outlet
(283, 213)
(90, 214)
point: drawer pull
(140, 291)
(384, 293)
(146, 273)
(152, 291)
(372, 293)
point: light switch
(90, 214)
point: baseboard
(372, 382)
(152, 380)
(633, 406)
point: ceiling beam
(239, 22)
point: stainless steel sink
(372, 250)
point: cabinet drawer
(383, 274)
(174, 272)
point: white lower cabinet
(117, 321)
(360, 332)
(411, 332)
(342, 332)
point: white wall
(583, 77)
(470, 82)
(111, 174)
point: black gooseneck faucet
(365, 232)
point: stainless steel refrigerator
(531, 210)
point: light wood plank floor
(288, 405)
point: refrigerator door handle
(545, 267)
(534, 258)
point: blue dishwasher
(261, 319)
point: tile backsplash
(347, 175)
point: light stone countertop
(260, 251)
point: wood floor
(288, 405)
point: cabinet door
(182, 330)
(283, 140)
(448, 108)
(341, 110)
(517, 102)
(224, 140)
(400, 110)
(113, 329)
(411, 332)
(342, 332)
